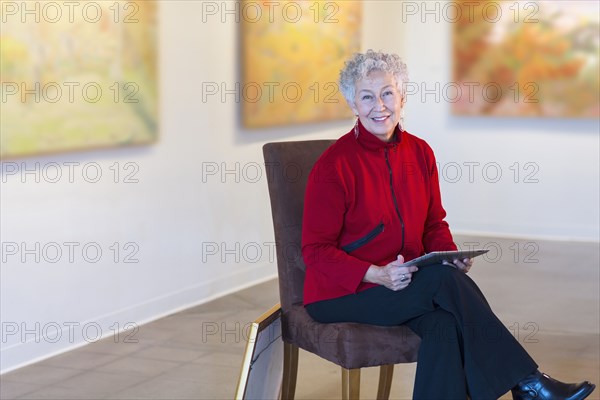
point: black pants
(465, 349)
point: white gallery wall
(188, 219)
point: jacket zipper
(387, 161)
(364, 240)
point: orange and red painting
(527, 58)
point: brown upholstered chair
(349, 345)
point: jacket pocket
(364, 240)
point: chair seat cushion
(350, 345)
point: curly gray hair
(361, 65)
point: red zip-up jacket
(366, 202)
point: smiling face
(378, 104)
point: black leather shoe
(540, 386)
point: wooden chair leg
(350, 384)
(386, 373)
(290, 371)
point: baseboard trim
(554, 238)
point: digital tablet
(437, 257)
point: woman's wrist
(372, 274)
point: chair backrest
(288, 165)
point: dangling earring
(356, 129)
(401, 122)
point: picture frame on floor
(262, 366)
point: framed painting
(262, 367)
(77, 75)
(526, 58)
(291, 57)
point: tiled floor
(551, 304)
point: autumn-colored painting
(77, 75)
(534, 58)
(292, 53)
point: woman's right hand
(393, 275)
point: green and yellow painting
(77, 75)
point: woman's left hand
(464, 265)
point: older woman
(372, 203)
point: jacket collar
(371, 142)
